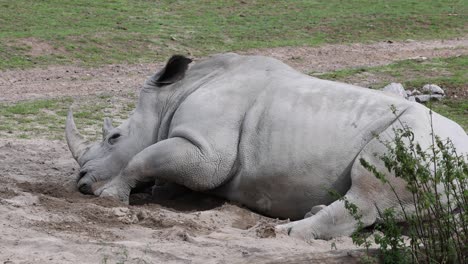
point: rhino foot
(296, 230)
(115, 191)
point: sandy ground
(43, 219)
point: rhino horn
(106, 127)
(76, 142)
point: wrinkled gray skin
(255, 131)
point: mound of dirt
(45, 220)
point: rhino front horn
(76, 142)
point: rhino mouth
(84, 183)
(85, 188)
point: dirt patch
(70, 229)
(56, 81)
(335, 57)
(38, 47)
(70, 195)
(7, 193)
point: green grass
(29, 108)
(449, 73)
(455, 110)
(45, 118)
(92, 32)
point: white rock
(419, 58)
(415, 92)
(427, 97)
(432, 89)
(395, 88)
(120, 211)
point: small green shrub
(437, 178)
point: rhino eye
(112, 139)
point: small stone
(419, 58)
(427, 97)
(395, 88)
(120, 211)
(415, 92)
(432, 89)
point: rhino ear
(173, 71)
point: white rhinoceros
(257, 132)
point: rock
(120, 211)
(395, 88)
(425, 97)
(432, 89)
(415, 92)
(419, 58)
(124, 215)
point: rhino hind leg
(332, 221)
(368, 193)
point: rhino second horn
(106, 127)
(76, 142)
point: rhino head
(103, 160)
(99, 161)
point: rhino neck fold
(170, 100)
(142, 123)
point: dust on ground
(44, 219)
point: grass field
(90, 32)
(45, 118)
(449, 73)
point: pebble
(433, 89)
